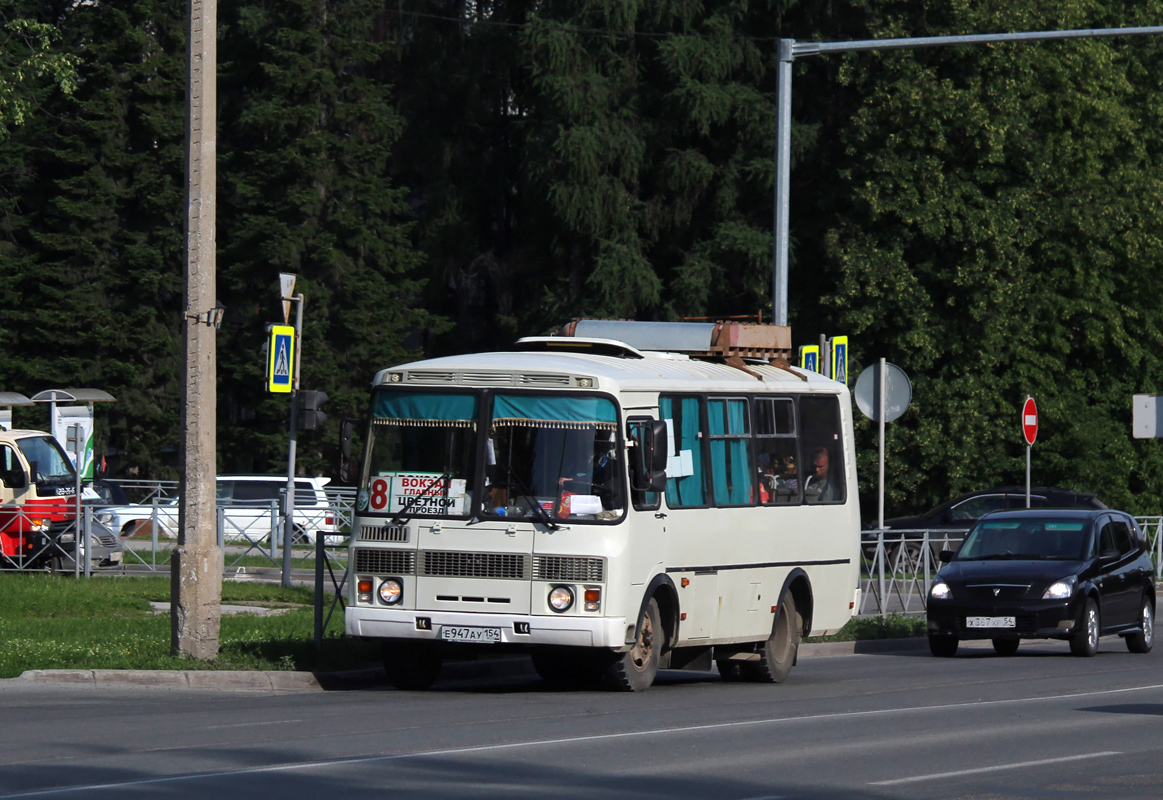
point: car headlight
(1060, 590)
(561, 598)
(105, 517)
(391, 591)
(940, 591)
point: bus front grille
(383, 533)
(568, 568)
(446, 564)
(385, 562)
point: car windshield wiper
(535, 507)
(403, 515)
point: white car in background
(247, 502)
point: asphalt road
(1041, 724)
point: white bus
(616, 500)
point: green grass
(894, 626)
(57, 622)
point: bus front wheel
(634, 670)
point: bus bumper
(574, 631)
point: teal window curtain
(730, 471)
(425, 409)
(554, 411)
(687, 490)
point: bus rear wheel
(634, 670)
(777, 655)
(412, 666)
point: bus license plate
(458, 633)
(989, 622)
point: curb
(368, 678)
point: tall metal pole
(782, 179)
(289, 520)
(881, 390)
(196, 568)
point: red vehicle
(37, 491)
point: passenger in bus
(790, 478)
(819, 486)
(768, 480)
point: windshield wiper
(402, 516)
(534, 506)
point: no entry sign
(1030, 421)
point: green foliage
(28, 54)
(305, 188)
(1000, 239)
(892, 626)
(54, 622)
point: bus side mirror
(648, 464)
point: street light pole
(786, 52)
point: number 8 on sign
(379, 491)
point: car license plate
(460, 633)
(989, 622)
(115, 556)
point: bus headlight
(391, 591)
(560, 598)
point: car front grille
(568, 568)
(448, 564)
(994, 591)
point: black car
(1068, 574)
(952, 519)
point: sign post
(1030, 432)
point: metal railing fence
(898, 565)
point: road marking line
(339, 762)
(248, 724)
(995, 768)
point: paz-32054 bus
(615, 500)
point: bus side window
(686, 487)
(775, 448)
(821, 450)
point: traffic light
(310, 417)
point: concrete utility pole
(196, 568)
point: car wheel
(1085, 642)
(943, 646)
(634, 670)
(777, 655)
(1141, 642)
(412, 665)
(1006, 647)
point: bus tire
(777, 654)
(412, 666)
(634, 670)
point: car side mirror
(945, 556)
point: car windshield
(1029, 539)
(421, 453)
(52, 465)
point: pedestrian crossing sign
(281, 358)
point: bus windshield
(553, 456)
(52, 465)
(421, 453)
